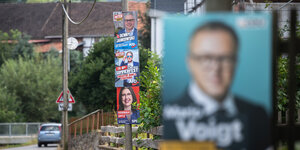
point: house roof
(99, 22)
(42, 20)
(28, 18)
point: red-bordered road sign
(60, 98)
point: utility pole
(128, 127)
(65, 78)
(124, 5)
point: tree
(8, 106)
(93, 84)
(35, 84)
(282, 73)
(13, 45)
(282, 83)
(150, 94)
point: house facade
(43, 22)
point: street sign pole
(65, 78)
(128, 127)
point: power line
(70, 19)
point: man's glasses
(129, 56)
(129, 20)
(207, 61)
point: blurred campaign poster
(127, 105)
(126, 49)
(217, 80)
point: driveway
(35, 147)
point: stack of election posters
(126, 66)
(217, 81)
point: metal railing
(91, 122)
(19, 129)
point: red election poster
(128, 105)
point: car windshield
(50, 128)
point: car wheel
(46, 145)
(39, 144)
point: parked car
(49, 133)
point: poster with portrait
(128, 105)
(126, 49)
(126, 33)
(126, 67)
(217, 79)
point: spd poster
(127, 105)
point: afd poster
(126, 67)
(217, 79)
(126, 49)
(127, 105)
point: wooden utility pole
(128, 127)
(65, 78)
(124, 5)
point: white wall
(157, 39)
(88, 44)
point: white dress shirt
(210, 104)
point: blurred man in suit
(208, 111)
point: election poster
(126, 34)
(217, 80)
(126, 49)
(128, 105)
(126, 67)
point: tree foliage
(282, 83)
(150, 94)
(13, 45)
(93, 84)
(8, 106)
(35, 84)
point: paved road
(35, 147)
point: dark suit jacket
(135, 41)
(125, 64)
(134, 116)
(256, 124)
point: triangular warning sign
(60, 98)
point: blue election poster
(217, 79)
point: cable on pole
(285, 4)
(69, 18)
(196, 6)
